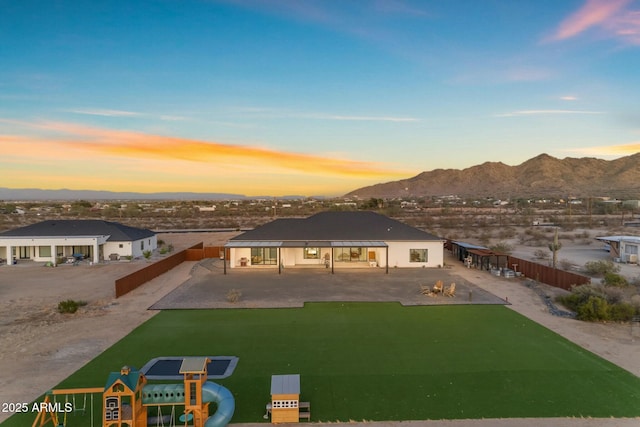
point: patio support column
(386, 253)
(279, 262)
(9, 255)
(333, 253)
(224, 260)
(96, 253)
(54, 258)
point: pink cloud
(610, 16)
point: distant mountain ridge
(66, 194)
(13, 194)
(540, 176)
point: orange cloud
(610, 150)
(69, 151)
(144, 146)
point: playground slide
(212, 392)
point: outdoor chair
(438, 287)
(450, 291)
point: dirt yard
(40, 347)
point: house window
(141, 244)
(630, 249)
(418, 255)
(264, 256)
(44, 251)
(120, 245)
(350, 254)
(311, 253)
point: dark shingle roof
(337, 226)
(77, 227)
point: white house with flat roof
(96, 240)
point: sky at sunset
(307, 97)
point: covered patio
(319, 254)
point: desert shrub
(621, 312)
(484, 237)
(234, 295)
(507, 233)
(541, 254)
(147, 254)
(583, 235)
(614, 279)
(600, 268)
(502, 247)
(635, 302)
(580, 295)
(613, 294)
(70, 306)
(160, 242)
(565, 236)
(595, 308)
(565, 264)
(164, 250)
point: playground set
(128, 398)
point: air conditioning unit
(633, 258)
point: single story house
(95, 240)
(335, 239)
(622, 248)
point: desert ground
(39, 347)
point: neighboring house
(336, 239)
(95, 240)
(622, 248)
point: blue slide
(212, 392)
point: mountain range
(541, 176)
(65, 194)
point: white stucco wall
(399, 254)
(138, 247)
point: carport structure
(479, 256)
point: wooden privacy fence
(137, 278)
(549, 275)
(200, 252)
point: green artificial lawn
(383, 361)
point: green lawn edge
(383, 362)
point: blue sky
(307, 97)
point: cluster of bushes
(164, 248)
(595, 303)
(601, 268)
(606, 301)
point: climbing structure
(128, 398)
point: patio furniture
(450, 291)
